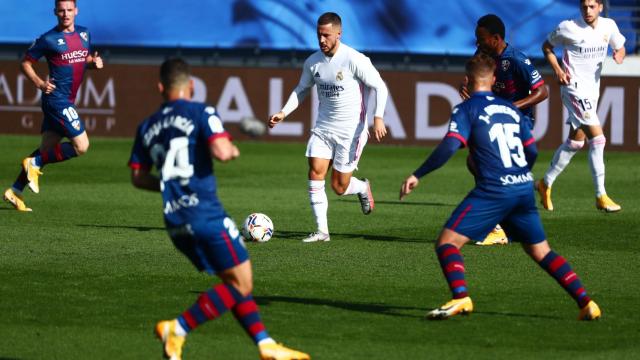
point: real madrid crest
(84, 36)
(587, 116)
(339, 76)
(605, 38)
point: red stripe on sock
(246, 308)
(207, 307)
(556, 263)
(458, 283)
(189, 319)
(256, 328)
(569, 278)
(57, 151)
(450, 250)
(455, 266)
(225, 295)
(44, 156)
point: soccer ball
(257, 227)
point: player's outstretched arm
(223, 149)
(379, 129)
(537, 95)
(410, 183)
(561, 75)
(142, 179)
(276, 118)
(46, 86)
(94, 61)
(618, 55)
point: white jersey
(585, 49)
(342, 82)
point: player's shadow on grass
(297, 235)
(399, 311)
(131, 227)
(403, 203)
(390, 310)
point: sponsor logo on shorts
(76, 124)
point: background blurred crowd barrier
(397, 26)
(113, 102)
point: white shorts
(345, 152)
(582, 111)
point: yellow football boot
(497, 236)
(605, 203)
(171, 342)
(16, 200)
(33, 172)
(591, 311)
(454, 307)
(545, 194)
(274, 351)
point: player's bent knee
(339, 188)
(599, 140)
(575, 145)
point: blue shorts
(518, 215)
(62, 118)
(212, 246)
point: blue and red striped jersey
(496, 135)
(66, 55)
(176, 141)
(516, 77)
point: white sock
(266, 341)
(319, 204)
(596, 163)
(356, 186)
(561, 159)
(179, 329)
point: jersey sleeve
(617, 40)
(37, 50)
(140, 158)
(301, 90)
(212, 127)
(459, 125)
(560, 35)
(364, 71)
(528, 73)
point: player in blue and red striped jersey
(67, 48)
(502, 147)
(517, 81)
(180, 139)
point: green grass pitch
(91, 270)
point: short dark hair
(55, 3)
(598, 1)
(493, 24)
(480, 64)
(174, 72)
(330, 18)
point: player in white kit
(585, 42)
(343, 78)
